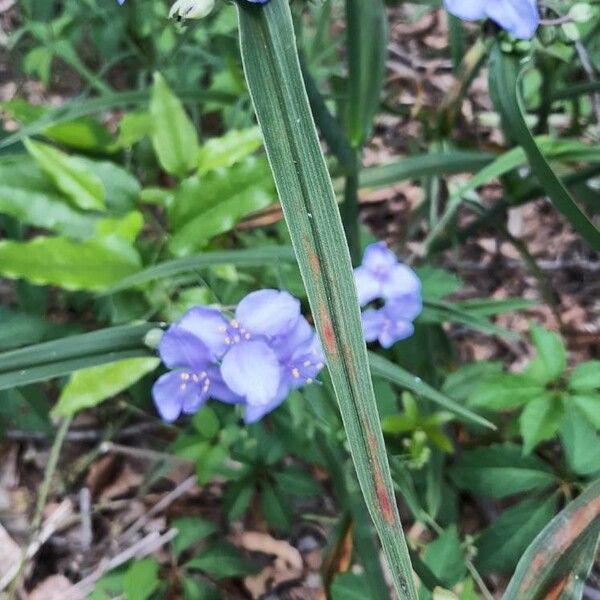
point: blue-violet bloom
(254, 359)
(383, 278)
(519, 17)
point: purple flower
(254, 359)
(382, 276)
(519, 17)
(393, 322)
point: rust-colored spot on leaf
(383, 497)
(327, 331)
(557, 544)
(557, 589)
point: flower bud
(191, 9)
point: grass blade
(505, 74)
(255, 257)
(387, 370)
(308, 201)
(547, 566)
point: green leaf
(63, 356)
(424, 165)
(225, 151)
(551, 351)
(191, 530)
(27, 195)
(387, 370)
(446, 558)
(585, 377)
(199, 590)
(309, 206)
(174, 135)
(92, 265)
(349, 586)
(25, 409)
(366, 36)
(141, 579)
(540, 420)
(219, 219)
(90, 387)
(589, 405)
(275, 508)
(21, 328)
(500, 470)
(222, 561)
(206, 423)
(505, 75)
(83, 188)
(501, 544)
(564, 549)
(461, 384)
(251, 257)
(504, 391)
(296, 482)
(580, 441)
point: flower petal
(268, 312)
(406, 307)
(378, 258)
(180, 348)
(251, 370)
(520, 17)
(471, 10)
(372, 322)
(394, 331)
(400, 281)
(368, 285)
(286, 346)
(209, 325)
(172, 391)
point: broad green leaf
(445, 557)
(437, 283)
(222, 560)
(580, 441)
(563, 549)
(92, 265)
(499, 470)
(461, 384)
(225, 151)
(191, 530)
(540, 420)
(28, 196)
(501, 544)
(127, 227)
(198, 194)
(387, 370)
(505, 76)
(141, 580)
(551, 350)
(586, 377)
(366, 37)
(297, 482)
(275, 507)
(173, 135)
(83, 188)
(89, 387)
(63, 356)
(199, 589)
(251, 257)
(219, 219)
(504, 391)
(25, 409)
(589, 405)
(309, 206)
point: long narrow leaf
(505, 73)
(547, 566)
(394, 374)
(308, 201)
(255, 257)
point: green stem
(349, 211)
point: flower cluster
(519, 17)
(382, 278)
(254, 359)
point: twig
(143, 453)
(184, 487)
(146, 546)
